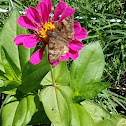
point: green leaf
(7, 36)
(2, 77)
(91, 90)
(106, 122)
(80, 117)
(33, 74)
(10, 30)
(61, 73)
(39, 117)
(8, 111)
(47, 80)
(99, 114)
(56, 101)
(18, 112)
(1, 73)
(1, 83)
(66, 92)
(87, 69)
(11, 77)
(122, 120)
(11, 70)
(9, 86)
(24, 55)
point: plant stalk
(52, 71)
(53, 76)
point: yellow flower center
(47, 27)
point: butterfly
(60, 38)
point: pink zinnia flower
(38, 21)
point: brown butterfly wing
(57, 48)
(65, 28)
(59, 39)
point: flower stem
(52, 70)
(53, 76)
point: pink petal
(55, 63)
(37, 56)
(65, 57)
(26, 23)
(73, 54)
(30, 41)
(19, 39)
(59, 10)
(81, 35)
(33, 15)
(77, 27)
(48, 4)
(75, 45)
(67, 12)
(43, 11)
